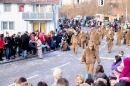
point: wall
(21, 25)
(50, 26)
(16, 17)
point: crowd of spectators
(37, 42)
(120, 75)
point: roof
(31, 1)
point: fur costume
(89, 57)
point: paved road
(36, 70)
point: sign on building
(100, 2)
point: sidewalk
(22, 58)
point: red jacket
(1, 43)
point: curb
(29, 57)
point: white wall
(16, 17)
(50, 26)
(21, 25)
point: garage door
(43, 27)
(35, 26)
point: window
(36, 8)
(21, 8)
(8, 25)
(11, 25)
(5, 25)
(7, 7)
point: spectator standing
(18, 43)
(1, 46)
(58, 40)
(13, 46)
(39, 47)
(8, 45)
(42, 37)
(25, 44)
(32, 46)
(32, 36)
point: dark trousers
(8, 53)
(1, 52)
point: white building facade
(28, 15)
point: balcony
(29, 16)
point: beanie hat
(7, 33)
(57, 73)
(88, 76)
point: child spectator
(57, 74)
(39, 47)
(42, 83)
(62, 82)
(121, 54)
(100, 83)
(89, 81)
(79, 79)
(26, 84)
(20, 80)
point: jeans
(18, 50)
(24, 53)
(8, 53)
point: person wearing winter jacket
(1, 46)
(8, 46)
(124, 77)
(99, 73)
(114, 67)
(18, 43)
(116, 63)
(39, 47)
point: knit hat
(88, 76)
(7, 33)
(57, 73)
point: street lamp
(111, 12)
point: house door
(35, 26)
(43, 27)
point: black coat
(18, 41)
(24, 41)
(8, 40)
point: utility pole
(126, 12)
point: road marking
(32, 77)
(103, 46)
(11, 84)
(108, 58)
(27, 78)
(61, 66)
